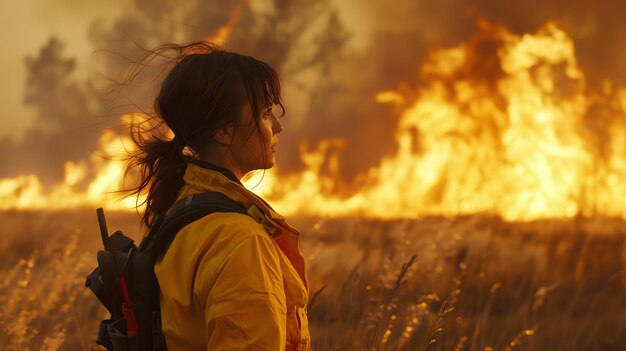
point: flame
(27, 191)
(504, 124)
(222, 34)
(509, 134)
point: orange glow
(222, 34)
(104, 170)
(516, 145)
(508, 135)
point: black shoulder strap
(186, 211)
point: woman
(228, 281)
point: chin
(267, 165)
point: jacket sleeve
(245, 307)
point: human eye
(279, 111)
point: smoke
(62, 105)
(72, 112)
(330, 82)
(398, 38)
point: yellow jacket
(231, 282)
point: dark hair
(204, 91)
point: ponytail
(159, 165)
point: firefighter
(228, 281)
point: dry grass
(470, 283)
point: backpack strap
(162, 232)
(187, 210)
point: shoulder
(219, 235)
(204, 246)
(231, 246)
(230, 226)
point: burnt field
(467, 283)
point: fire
(504, 124)
(508, 135)
(222, 34)
(27, 192)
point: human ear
(224, 135)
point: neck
(225, 161)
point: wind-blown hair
(205, 90)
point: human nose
(277, 126)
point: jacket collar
(204, 176)
(223, 171)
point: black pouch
(104, 338)
(119, 339)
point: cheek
(267, 130)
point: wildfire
(27, 192)
(511, 134)
(504, 124)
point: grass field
(468, 283)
